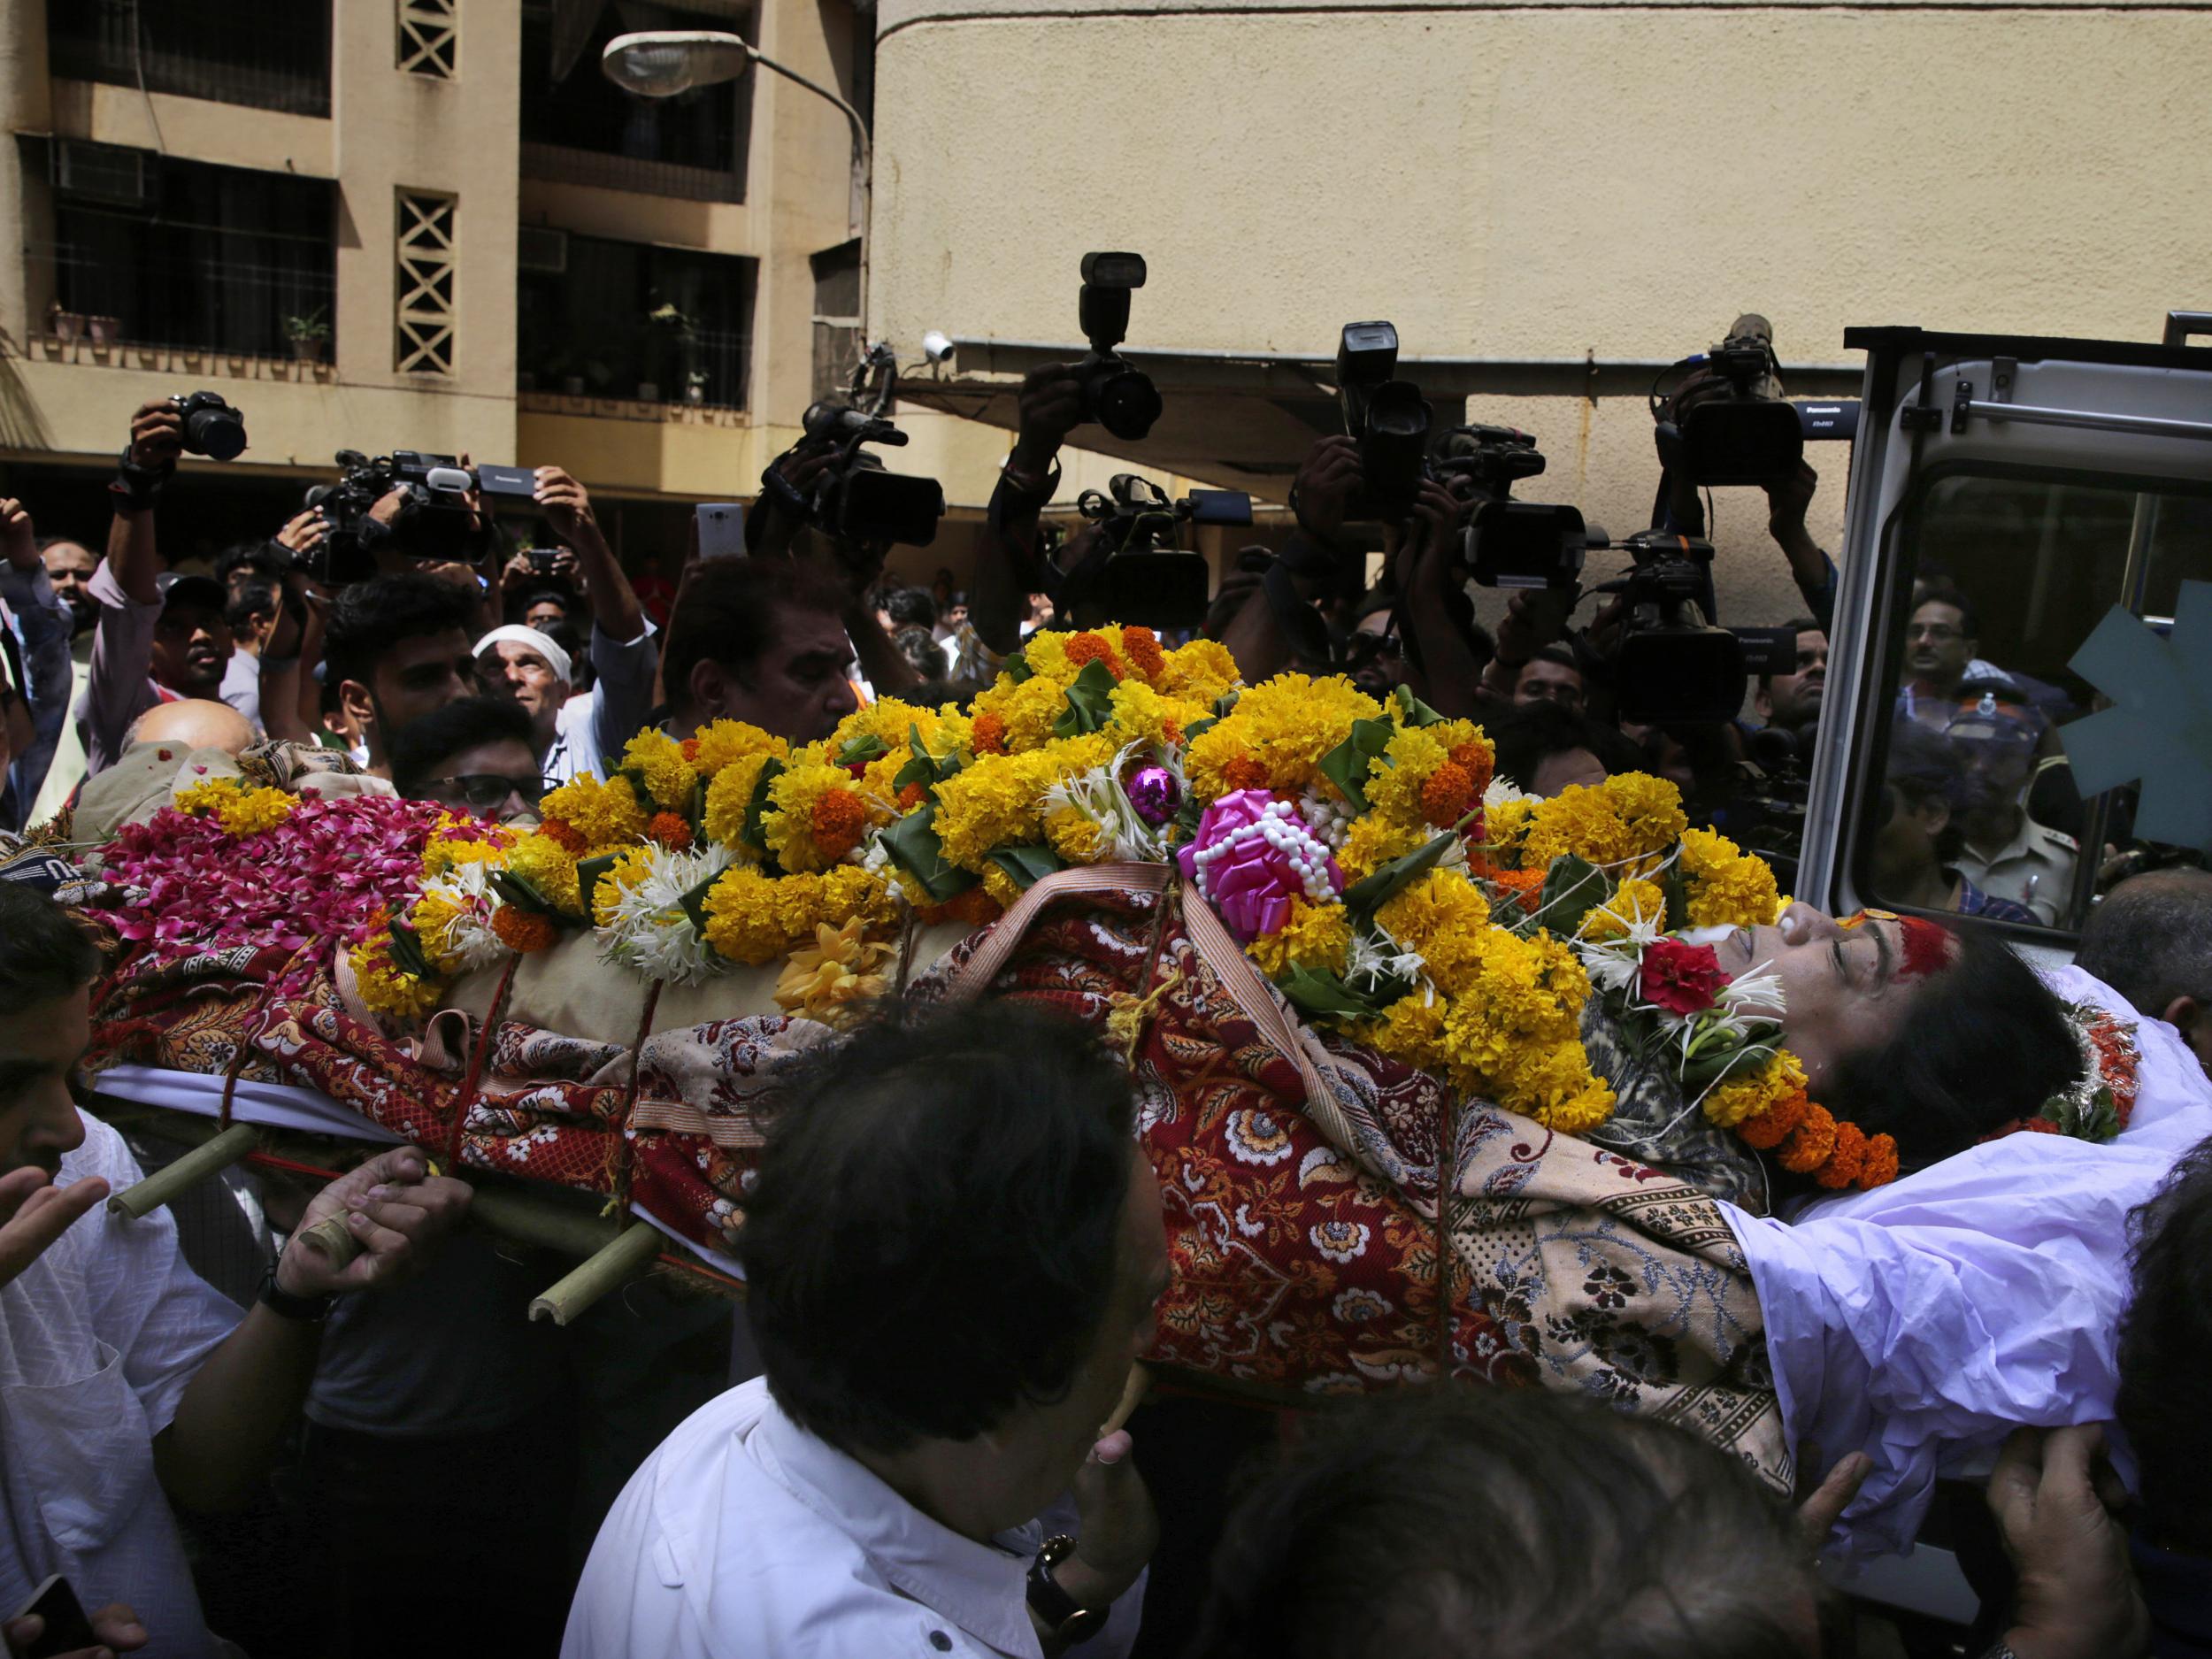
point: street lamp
(660, 63)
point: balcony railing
(203, 303)
(268, 54)
(707, 367)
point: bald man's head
(2150, 939)
(195, 723)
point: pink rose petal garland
(312, 880)
(1254, 855)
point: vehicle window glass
(2002, 577)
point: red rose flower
(1681, 979)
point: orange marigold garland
(1813, 1140)
(1086, 648)
(839, 820)
(1880, 1167)
(1141, 647)
(525, 931)
(1476, 760)
(1447, 795)
(671, 830)
(990, 734)
(1769, 1128)
(1245, 772)
(912, 796)
(569, 840)
(1846, 1159)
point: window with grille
(628, 320)
(425, 284)
(429, 37)
(267, 54)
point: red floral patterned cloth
(1307, 1258)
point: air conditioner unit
(103, 173)
(539, 248)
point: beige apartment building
(1552, 200)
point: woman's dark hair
(45, 952)
(731, 611)
(932, 1237)
(1982, 1043)
(368, 619)
(421, 748)
(1508, 1522)
(2166, 1353)
(921, 651)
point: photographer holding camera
(522, 664)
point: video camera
(437, 519)
(212, 426)
(1135, 573)
(1117, 395)
(855, 500)
(1673, 663)
(1767, 806)
(1735, 429)
(1386, 417)
(1511, 543)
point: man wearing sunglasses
(476, 756)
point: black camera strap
(138, 488)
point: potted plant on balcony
(61, 324)
(103, 330)
(310, 335)
(696, 387)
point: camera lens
(219, 433)
(1125, 402)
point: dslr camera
(1117, 394)
(1511, 543)
(1672, 663)
(212, 426)
(1386, 417)
(435, 521)
(855, 501)
(1135, 572)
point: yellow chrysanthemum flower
(742, 923)
(1649, 809)
(668, 776)
(788, 824)
(1046, 651)
(551, 868)
(1750, 1090)
(1317, 936)
(239, 809)
(1281, 728)
(730, 797)
(1442, 916)
(445, 851)
(1027, 711)
(721, 742)
(1727, 887)
(1393, 782)
(1141, 715)
(386, 988)
(1202, 671)
(606, 815)
(1076, 839)
(1374, 842)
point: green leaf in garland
(407, 951)
(1364, 898)
(588, 871)
(1573, 886)
(911, 841)
(695, 812)
(860, 750)
(1674, 887)
(1225, 703)
(1018, 668)
(1320, 991)
(1027, 864)
(750, 834)
(520, 892)
(1090, 703)
(1346, 766)
(1199, 728)
(694, 902)
(1413, 711)
(1723, 1057)
(634, 776)
(925, 768)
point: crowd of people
(911, 1441)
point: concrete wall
(1546, 180)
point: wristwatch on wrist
(285, 1305)
(136, 484)
(1028, 483)
(1065, 1619)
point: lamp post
(660, 63)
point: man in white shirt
(528, 668)
(126, 1381)
(952, 1252)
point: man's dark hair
(732, 612)
(368, 619)
(45, 952)
(538, 595)
(2150, 939)
(2165, 1350)
(1983, 1042)
(1508, 1523)
(911, 608)
(1967, 619)
(254, 599)
(1558, 655)
(921, 651)
(266, 561)
(421, 748)
(1796, 626)
(1526, 734)
(1924, 766)
(930, 1240)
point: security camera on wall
(936, 348)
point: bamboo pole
(141, 1198)
(607, 1268)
